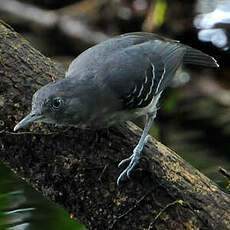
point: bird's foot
(134, 160)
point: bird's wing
(90, 60)
(139, 72)
(140, 37)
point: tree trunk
(78, 168)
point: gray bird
(117, 80)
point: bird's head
(57, 103)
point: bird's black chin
(29, 119)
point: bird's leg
(134, 158)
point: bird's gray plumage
(117, 80)
(130, 58)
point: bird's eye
(57, 102)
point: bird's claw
(125, 160)
(134, 159)
(146, 139)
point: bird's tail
(196, 57)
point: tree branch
(78, 168)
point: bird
(117, 80)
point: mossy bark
(78, 168)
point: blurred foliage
(50, 4)
(21, 207)
(159, 12)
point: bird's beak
(32, 117)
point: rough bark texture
(78, 169)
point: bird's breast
(109, 118)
